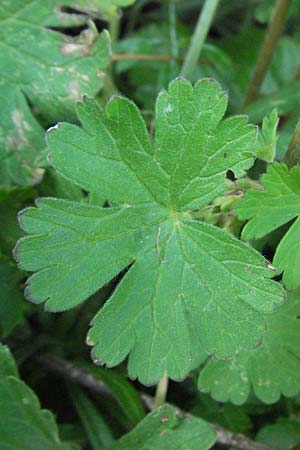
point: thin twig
(151, 57)
(172, 29)
(267, 49)
(70, 372)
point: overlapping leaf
(190, 288)
(271, 370)
(50, 69)
(269, 209)
(23, 423)
(162, 429)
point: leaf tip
(96, 360)
(89, 341)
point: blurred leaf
(123, 391)
(271, 370)
(226, 415)
(285, 136)
(23, 424)
(279, 85)
(11, 201)
(11, 298)
(283, 435)
(95, 426)
(162, 430)
(263, 11)
(48, 68)
(149, 77)
(286, 100)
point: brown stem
(267, 49)
(292, 156)
(150, 57)
(70, 372)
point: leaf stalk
(161, 391)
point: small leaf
(161, 429)
(269, 209)
(266, 143)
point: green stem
(173, 32)
(267, 49)
(204, 22)
(292, 156)
(114, 26)
(161, 391)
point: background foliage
(167, 225)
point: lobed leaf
(161, 429)
(267, 210)
(270, 370)
(52, 73)
(189, 288)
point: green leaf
(162, 429)
(96, 428)
(282, 435)
(286, 100)
(11, 299)
(269, 209)
(123, 391)
(11, 200)
(49, 69)
(228, 416)
(23, 425)
(190, 288)
(279, 89)
(271, 370)
(266, 142)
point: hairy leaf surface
(271, 370)
(190, 288)
(269, 209)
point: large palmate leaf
(269, 209)
(23, 424)
(271, 370)
(190, 288)
(50, 69)
(162, 429)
